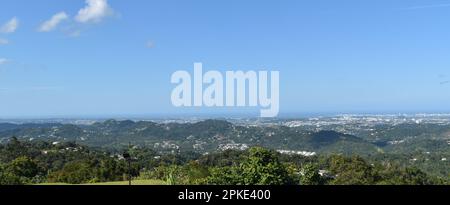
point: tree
(407, 176)
(310, 175)
(351, 171)
(263, 168)
(24, 167)
(76, 172)
(224, 176)
(260, 167)
(416, 176)
(111, 170)
(7, 178)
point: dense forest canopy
(424, 145)
(24, 162)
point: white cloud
(52, 23)
(3, 61)
(94, 11)
(3, 41)
(10, 26)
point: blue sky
(115, 58)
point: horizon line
(215, 115)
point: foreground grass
(134, 182)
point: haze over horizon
(115, 58)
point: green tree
(351, 171)
(309, 175)
(111, 170)
(224, 176)
(24, 167)
(408, 176)
(76, 172)
(260, 167)
(8, 178)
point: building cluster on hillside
(370, 120)
(293, 152)
(233, 146)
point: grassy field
(134, 182)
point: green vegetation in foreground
(424, 146)
(134, 182)
(40, 162)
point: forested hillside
(41, 162)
